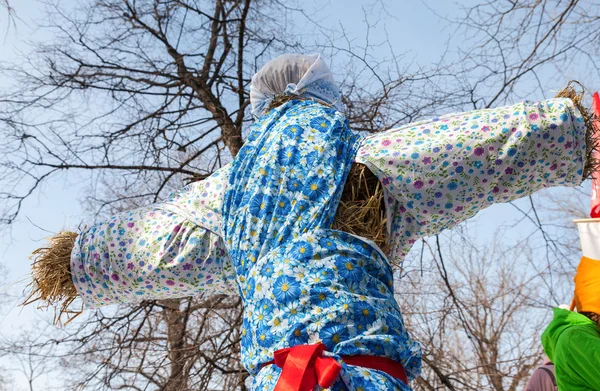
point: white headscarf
(306, 76)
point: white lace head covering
(306, 76)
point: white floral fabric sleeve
(170, 249)
(201, 201)
(439, 172)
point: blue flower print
(327, 243)
(283, 206)
(312, 157)
(288, 156)
(294, 185)
(322, 297)
(246, 332)
(264, 311)
(302, 250)
(321, 124)
(315, 188)
(319, 277)
(301, 206)
(326, 274)
(264, 175)
(294, 311)
(249, 287)
(394, 323)
(348, 269)
(293, 131)
(332, 334)
(266, 270)
(364, 314)
(376, 347)
(377, 288)
(360, 246)
(362, 384)
(264, 336)
(286, 289)
(260, 205)
(299, 335)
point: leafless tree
(6, 380)
(6, 5)
(29, 354)
(474, 311)
(518, 47)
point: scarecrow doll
(319, 306)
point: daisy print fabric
(302, 282)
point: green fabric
(572, 342)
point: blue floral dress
(301, 281)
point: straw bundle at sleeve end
(592, 163)
(52, 284)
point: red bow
(303, 367)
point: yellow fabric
(587, 286)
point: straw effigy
(361, 212)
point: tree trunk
(175, 319)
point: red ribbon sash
(303, 367)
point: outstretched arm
(170, 249)
(167, 250)
(145, 254)
(440, 172)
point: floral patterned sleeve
(440, 172)
(170, 249)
